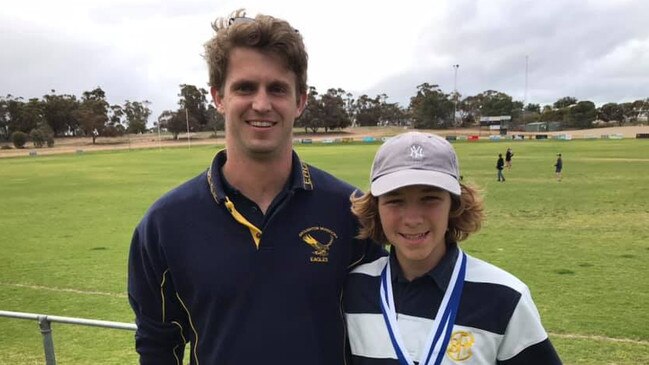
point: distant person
(508, 159)
(246, 262)
(499, 166)
(558, 166)
(429, 302)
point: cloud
(596, 52)
(143, 49)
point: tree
(535, 108)
(4, 118)
(176, 122)
(19, 139)
(350, 107)
(394, 114)
(583, 114)
(388, 113)
(550, 114)
(496, 103)
(216, 122)
(431, 108)
(38, 139)
(530, 117)
(43, 135)
(194, 100)
(58, 111)
(628, 111)
(114, 126)
(611, 112)
(639, 109)
(334, 115)
(93, 113)
(517, 113)
(164, 118)
(137, 114)
(469, 110)
(367, 111)
(565, 102)
(529, 114)
(24, 116)
(312, 114)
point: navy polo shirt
(208, 273)
(250, 209)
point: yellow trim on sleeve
(191, 324)
(173, 351)
(180, 327)
(162, 294)
(182, 335)
(254, 231)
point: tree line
(56, 115)
(429, 108)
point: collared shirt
(428, 288)
(249, 208)
(238, 293)
(497, 321)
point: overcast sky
(143, 49)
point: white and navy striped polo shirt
(497, 322)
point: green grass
(581, 245)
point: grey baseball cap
(415, 158)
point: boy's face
(259, 102)
(414, 220)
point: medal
(437, 341)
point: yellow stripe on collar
(254, 231)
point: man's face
(259, 103)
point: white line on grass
(599, 338)
(65, 290)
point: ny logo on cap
(416, 152)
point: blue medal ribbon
(440, 334)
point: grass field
(582, 244)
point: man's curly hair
(263, 33)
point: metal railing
(44, 322)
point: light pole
(455, 67)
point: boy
(499, 166)
(558, 166)
(428, 301)
(508, 158)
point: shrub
(38, 139)
(113, 131)
(19, 139)
(42, 135)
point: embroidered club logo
(320, 239)
(416, 152)
(459, 347)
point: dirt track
(72, 145)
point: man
(246, 262)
